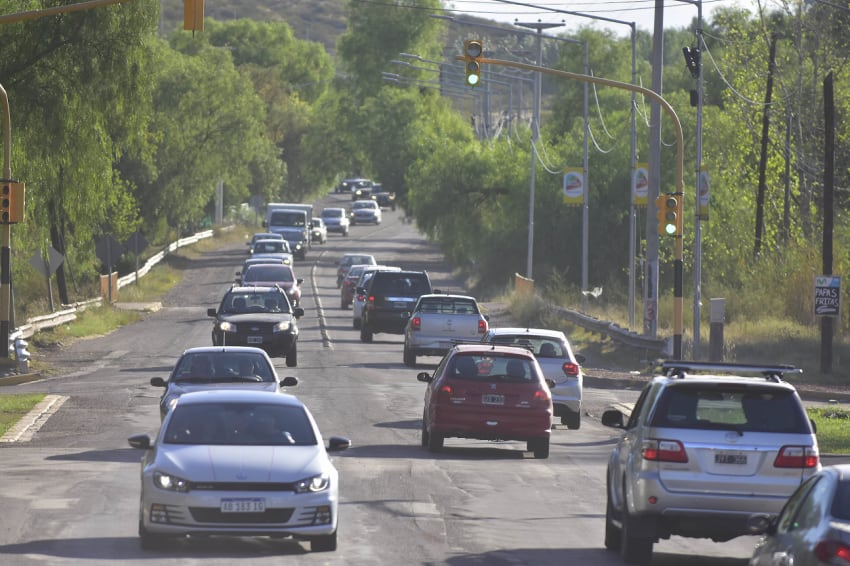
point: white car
(239, 463)
(556, 359)
(336, 220)
(319, 232)
(365, 212)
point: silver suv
(700, 453)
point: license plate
(730, 458)
(491, 399)
(254, 505)
(255, 339)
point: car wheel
(150, 541)
(612, 532)
(424, 435)
(633, 549)
(365, 333)
(435, 441)
(292, 356)
(323, 543)
(572, 420)
(539, 446)
(409, 358)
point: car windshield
(271, 247)
(492, 368)
(222, 366)
(288, 218)
(277, 273)
(540, 346)
(725, 407)
(240, 424)
(332, 213)
(364, 204)
(249, 302)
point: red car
(269, 275)
(487, 392)
(349, 284)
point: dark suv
(390, 296)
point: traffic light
(5, 203)
(669, 214)
(193, 15)
(473, 49)
(692, 60)
(11, 202)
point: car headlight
(226, 326)
(169, 482)
(170, 401)
(282, 326)
(314, 484)
(298, 246)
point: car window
(332, 213)
(787, 517)
(714, 406)
(404, 285)
(640, 406)
(240, 424)
(269, 273)
(288, 218)
(488, 368)
(541, 346)
(841, 501)
(251, 302)
(447, 305)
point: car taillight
(796, 457)
(542, 396)
(370, 303)
(832, 552)
(360, 297)
(570, 369)
(660, 450)
(444, 393)
(482, 326)
(415, 323)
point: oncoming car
(227, 367)
(487, 392)
(238, 463)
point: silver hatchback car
(700, 453)
(558, 362)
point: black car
(258, 316)
(390, 296)
(232, 367)
(385, 199)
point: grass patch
(832, 424)
(13, 407)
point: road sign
(827, 300)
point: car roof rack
(681, 368)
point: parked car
(437, 321)
(349, 259)
(365, 212)
(258, 316)
(336, 220)
(239, 463)
(231, 367)
(266, 275)
(558, 362)
(704, 448)
(360, 292)
(346, 290)
(813, 527)
(273, 249)
(487, 392)
(261, 236)
(319, 231)
(390, 294)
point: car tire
(324, 543)
(612, 531)
(572, 420)
(424, 434)
(409, 357)
(435, 441)
(148, 540)
(539, 447)
(365, 333)
(633, 549)
(292, 356)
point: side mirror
(158, 382)
(761, 523)
(338, 443)
(424, 377)
(580, 359)
(298, 312)
(289, 381)
(141, 441)
(299, 281)
(405, 314)
(550, 383)
(612, 418)
(211, 312)
(487, 317)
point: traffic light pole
(678, 248)
(6, 237)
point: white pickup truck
(437, 321)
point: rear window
(540, 346)
(488, 368)
(411, 285)
(448, 305)
(744, 409)
(269, 273)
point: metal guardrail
(614, 331)
(69, 312)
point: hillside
(314, 20)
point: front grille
(214, 515)
(237, 486)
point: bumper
(337, 228)
(390, 322)
(278, 344)
(566, 396)
(484, 425)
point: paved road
(71, 491)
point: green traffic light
(472, 80)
